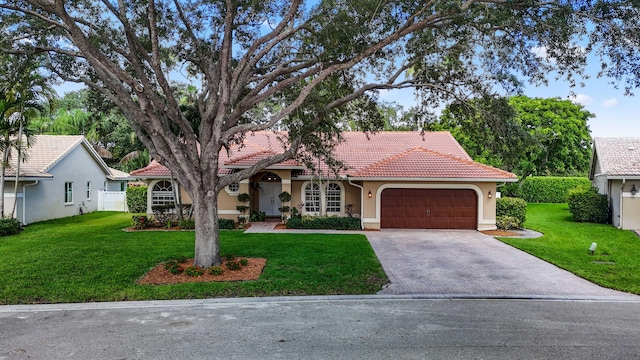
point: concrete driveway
(469, 263)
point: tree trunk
(5, 163)
(207, 232)
(15, 186)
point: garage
(428, 209)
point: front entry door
(269, 201)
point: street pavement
(373, 327)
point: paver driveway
(469, 263)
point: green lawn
(89, 258)
(616, 263)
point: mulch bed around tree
(159, 275)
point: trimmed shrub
(226, 224)
(507, 223)
(587, 205)
(513, 208)
(334, 222)
(9, 226)
(549, 189)
(137, 199)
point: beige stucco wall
(351, 195)
(628, 215)
(486, 207)
(369, 211)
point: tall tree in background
(528, 136)
(311, 59)
(24, 92)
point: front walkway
(465, 263)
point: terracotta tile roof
(617, 156)
(381, 155)
(422, 163)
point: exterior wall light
(633, 189)
(489, 195)
(369, 195)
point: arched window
(334, 198)
(312, 197)
(162, 193)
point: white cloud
(582, 99)
(610, 103)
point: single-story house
(391, 180)
(615, 172)
(61, 176)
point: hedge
(226, 224)
(511, 208)
(334, 222)
(587, 205)
(549, 189)
(9, 226)
(137, 199)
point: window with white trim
(334, 197)
(312, 197)
(234, 187)
(162, 193)
(68, 192)
(88, 190)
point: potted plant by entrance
(243, 198)
(285, 197)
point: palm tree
(23, 90)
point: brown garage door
(428, 209)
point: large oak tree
(303, 61)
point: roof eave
(359, 178)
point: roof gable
(49, 150)
(616, 157)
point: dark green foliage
(215, 270)
(174, 267)
(9, 226)
(226, 224)
(233, 265)
(586, 205)
(258, 215)
(187, 224)
(244, 262)
(244, 197)
(284, 196)
(511, 208)
(137, 199)
(140, 221)
(549, 189)
(507, 223)
(194, 271)
(335, 223)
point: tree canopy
(532, 136)
(305, 63)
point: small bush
(164, 213)
(194, 271)
(174, 267)
(512, 207)
(257, 215)
(226, 224)
(233, 265)
(587, 205)
(549, 189)
(137, 199)
(187, 224)
(507, 223)
(335, 223)
(244, 262)
(9, 226)
(140, 222)
(215, 270)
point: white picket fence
(112, 201)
